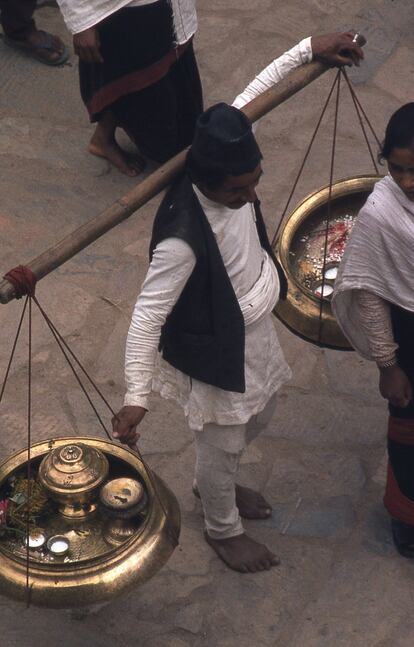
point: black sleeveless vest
(203, 335)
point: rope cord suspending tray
(81, 519)
(311, 240)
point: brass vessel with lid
(72, 475)
(93, 570)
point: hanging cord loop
(29, 454)
(23, 280)
(308, 150)
(361, 114)
(28, 304)
(329, 212)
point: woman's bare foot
(243, 554)
(103, 144)
(251, 504)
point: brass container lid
(73, 468)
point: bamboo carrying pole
(125, 206)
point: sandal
(41, 51)
(403, 536)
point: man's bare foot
(251, 504)
(243, 554)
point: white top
(378, 258)
(255, 284)
(83, 14)
(172, 265)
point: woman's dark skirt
(399, 493)
(151, 87)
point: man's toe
(243, 568)
(252, 567)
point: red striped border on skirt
(135, 81)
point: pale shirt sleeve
(172, 264)
(276, 71)
(375, 319)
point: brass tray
(300, 249)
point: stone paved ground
(322, 463)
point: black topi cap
(224, 139)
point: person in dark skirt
(137, 71)
(374, 305)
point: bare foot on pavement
(251, 504)
(131, 165)
(243, 554)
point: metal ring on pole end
(359, 39)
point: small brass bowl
(35, 540)
(123, 500)
(58, 545)
(122, 495)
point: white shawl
(379, 257)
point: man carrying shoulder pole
(202, 332)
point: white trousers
(219, 449)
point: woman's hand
(395, 386)
(125, 422)
(87, 45)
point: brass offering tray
(85, 533)
(98, 554)
(301, 249)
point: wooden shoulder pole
(122, 208)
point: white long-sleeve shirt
(83, 14)
(171, 266)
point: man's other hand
(87, 46)
(337, 49)
(125, 422)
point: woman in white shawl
(374, 305)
